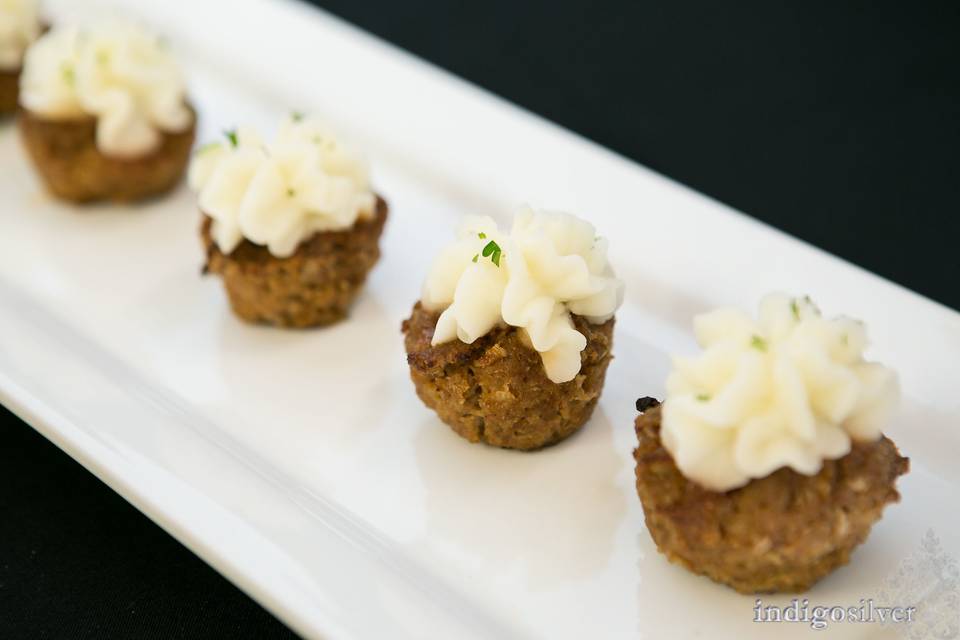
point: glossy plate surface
(301, 465)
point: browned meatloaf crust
(315, 286)
(496, 390)
(779, 533)
(65, 155)
(9, 91)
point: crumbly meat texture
(496, 390)
(9, 91)
(780, 533)
(66, 156)
(313, 287)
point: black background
(836, 122)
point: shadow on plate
(551, 514)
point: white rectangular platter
(301, 465)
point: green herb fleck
(482, 235)
(476, 257)
(296, 116)
(232, 137)
(702, 397)
(69, 74)
(210, 146)
(795, 308)
(492, 250)
(291, 192)
(758, 343)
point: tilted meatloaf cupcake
(19, 26)
(766, 466)
(511, 338)
(104, 114)
(292, 227)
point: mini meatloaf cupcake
(292, 227)
(511, 338)
(19, 26)
(766, 466)
(104, 114)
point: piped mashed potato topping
(19, 27)
(789, 389)
(548, 266)
(278, 195)
(115, 72)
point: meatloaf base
(66, 157)
(9, 91)
(780, 533)
(496, 390)
(313, 287)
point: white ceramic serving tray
(301, 465)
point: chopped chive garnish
(758, 343)
(795, 308)
(69, 74)
(210, 146)
(702, 397)
(296, 116)
(482, 235)
(476, 257)
(492, 250)
(232, 137)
